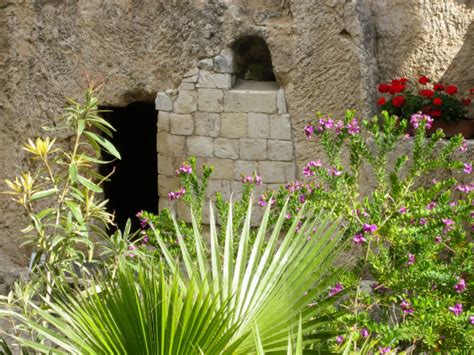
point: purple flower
(460, 286)
(339, 126)
(131, 247)
(336, 289)
(185, 168)
(294, 186)
(471, 319)
(406, 307)
(308, 171)
(423, 221)
(359, 238)
(364, 332)
(339, 339)
(463, 147)
(176, 194)
(334, 172)
(288, 215)
(385, 350)
(418, 119)
(143, 223)
(465, 188)
(308, 130)
(411, 259)
(453, 203)
(262, 201)
(301, 198)
(467, 168)
(448, 224)
(438, 239)
(246, 179)
(431, 206)
(402, 210)
(369, 228)
(353, 127)
(258, 180)
(457, 309)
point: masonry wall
(236, 126)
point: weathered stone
(280, 127)
(191, 72)
(276, 172)
(250, 101)
(258, 125)
(186, 102)
(226, 148)
(245, 167)
(206, 64)
(281, 102)
(170, 143)
(167, 164)
(223, 168)
(163, 102)
(210, 100)
(280, 150)
(200, 146)
(251, 149)
(192, 79)
(181, 124)
(237, 187)
(212, 80)
(224, 62)
(163, 124)
(207, 124)
(234, 125)
(221, 186)
(166, 184)
(187, 86)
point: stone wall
(237, 126)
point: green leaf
(73, 172)
(42, 194)
(89, 184)
(109, 147)
(76, 210)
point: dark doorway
(134, 184)
(253, 60)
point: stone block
(280, 127)
(200, 146)
(250, 101)
(206, 64)
(186, 102)
(237, 188)
(280, 150)
(163, 102)
(210, 100)
(224, 62)
(258, 125)
(221, 186)
(276, 172)
(253, 149)
(163, 124)
(234, 125)
(207, 124)
(165, 203)
(166, 184)
(226, 148)
(187, 86)
(191, 72)
(223, 168)
(181, 124)
(191, 80)
(281, 102)
(170, 144)
(207, 79)
(167, 164)
(245, 167)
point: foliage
(272, 282)
(413, 238)
(441, 101)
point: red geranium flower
(396, 88)
(381, 101)
(451, 89)
(435, 113)
(423, 80)
(383, 88)
(466, 102)
(396, 82)
(427, 93)
(437, 101)
(398, 101)
(471, 91)
(438, 87)
(403, 80)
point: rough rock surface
(327, 55)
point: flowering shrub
(415, 274)
(403, 99)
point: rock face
(327, 56)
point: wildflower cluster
(401, 98)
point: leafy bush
(416, 269)
(439, 102)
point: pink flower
(339, 126)
(334, 172)
(176, 194)
(258, 180)
(288, 215)
(308, 130)
(467, 168)
(431, 206)
(406, 307)
(438, 239)
(385, 350)
(353, 127)
(471, 319)
(359, 238)
(294, 186)
(465, 188)
(419, 119)
(339, 339)
(460, 286)
(364, 332)
(369, 228)
(457, 309)
(423, 221)
(308, 169)
(411, 259)
(402, 210)
(185, 168)
(463, 147)
(336, 289)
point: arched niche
(252, 59)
